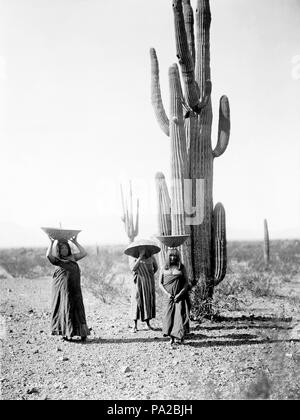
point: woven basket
(172, 241)
(60, 234)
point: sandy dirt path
(243, 357)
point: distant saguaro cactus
(266, 243)
(189, 127)
(131, 228)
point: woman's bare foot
(149, 326)
(172, 341)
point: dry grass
(247, 277)
(99, 268)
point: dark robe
(143, 289)
(176, 317)
(68, 314)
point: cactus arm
(205, 96)
(123, 205)
(136, 229)
(127, 217)
(202, 68)
(178, 85)
(219, 244)
(186, 62)
(189, 27)
(185, 106)
(164, 205)
(127, 224)
(178, 151)
(131, 209)
(224, 127)
(156, 98)
(163, 213)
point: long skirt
(68, 313)
(176, 317)
(143, 298)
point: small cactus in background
(189, 128)
(131, 228)
(266, 244)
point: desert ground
(250, 349)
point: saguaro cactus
(266, 243)
(163, 211)
(219, 244)
(131, 228)
(189, 128)
(164, 205)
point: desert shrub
(25, 262)
(259, 284)
(242, 286)
(98, 269)
(249, 279)
(105, 271)
(247, 270)
(284, 256)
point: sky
(76, 118)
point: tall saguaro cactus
(131, 228)
(189, 127)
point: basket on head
(135, 247)
(172, 241)
(60, 234)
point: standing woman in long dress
(68, 314)
(143, 288)
(174, 283)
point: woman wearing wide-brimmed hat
(143, 265)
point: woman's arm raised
(134, 263)
(65, 264)
(82, 252)
(49, 253)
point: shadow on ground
(197, 340)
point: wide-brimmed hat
(60, 234)
(172, 241)
(135, 247)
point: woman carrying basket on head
(68, 314)
(174, 283)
